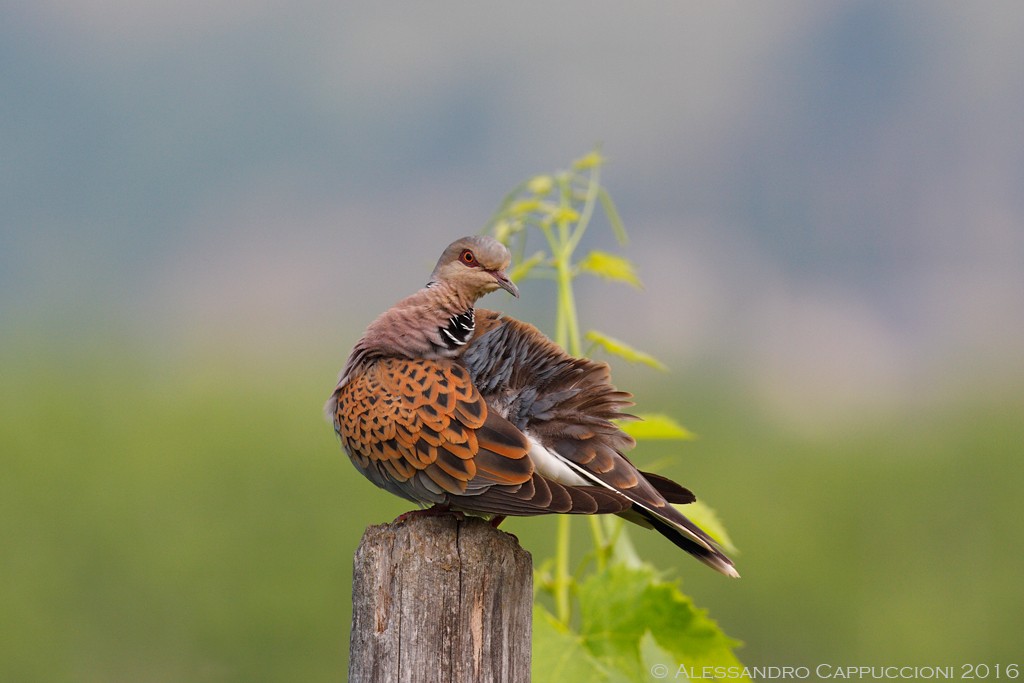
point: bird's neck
(436, 322)
(453, 300)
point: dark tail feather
(707, 553)
(670, 490)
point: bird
(471, 411)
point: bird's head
(475, 265)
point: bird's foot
(436, 510)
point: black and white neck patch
(459, 329)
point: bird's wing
(566, 407)
(423, 420)
(566, 404)
(421, 429)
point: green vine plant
(628, 622)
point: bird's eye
(467, 257)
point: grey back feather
(540, 388)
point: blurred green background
(193, 520)
(202, 204)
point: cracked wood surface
(440, 600)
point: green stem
(565, 338)
(563, 579)
(601, 547)
(563, 236)
(568, 337)
(567, 304)
(589, 203)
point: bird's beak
(505, 283)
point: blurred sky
(826, 197)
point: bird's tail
(690, 538)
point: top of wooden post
(438, 598)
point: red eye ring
(468, 257)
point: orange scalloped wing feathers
(405, 417)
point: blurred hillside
(202, 204)
(829, 193)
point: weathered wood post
(440, 599)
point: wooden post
(440, 599)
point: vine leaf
(559, 655)
(632, 622)
(656, 427)
(657, 659)
(523, 268)
(623, 350)
(588, 161)
(704, 516)
(622, 609)
(610, 267)
(613, 217)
